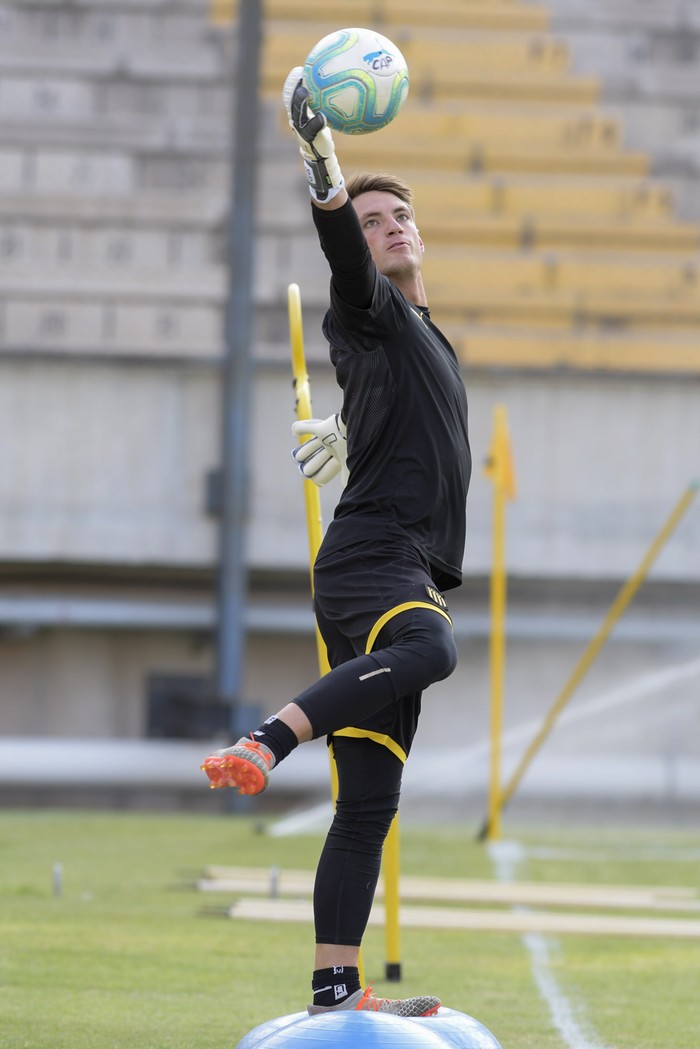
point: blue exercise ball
(457, 1030)
(257, 1036)
(345, 1030)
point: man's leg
(246, 765)
(418, 650)
(354, 593)
(369, 786)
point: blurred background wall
(554, 150)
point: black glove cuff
(320, 182)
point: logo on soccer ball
(379, 61)
(357, 78)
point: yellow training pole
(391, 863)
(312, 498)
(497, 658)
(499, 467)
(618, 606)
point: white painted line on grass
(431, 776)
(559, 1005)
(505, 856)
(666, 852)
(307, 821)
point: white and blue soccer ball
(358, 78)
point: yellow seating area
(381, 14)
(465, 63)
(548, 243)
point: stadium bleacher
(537, 213)
(553, 152)
(114, 173)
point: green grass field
(130, 956)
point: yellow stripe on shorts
(379, 737)
(397, 610)
(376, 737)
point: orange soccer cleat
(246, 765)
(423, 1005)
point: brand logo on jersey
(435, 596)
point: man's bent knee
(422, 650)
(444, 654)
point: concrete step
(532, 349)
(625, 15)
(154, 248)
(646, 54)
(636, 274)
(43, 105)
(47, 323)
(153, 40)
(59, 171)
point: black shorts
(360, 592)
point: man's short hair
(368, 182)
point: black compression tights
(369, 785)
(416, 649)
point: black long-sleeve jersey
(405, 407)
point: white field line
(438, 774)
(647, 684)
(560, 1008)
(667, 853)
(427, 776)
(505, 857)
(313, 818)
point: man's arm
(342, 240)
(315, 141)
(344, 245)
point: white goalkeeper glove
(324, 455)
(315, 140)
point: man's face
(391, 233)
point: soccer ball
(357, 78)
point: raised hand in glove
(324, 455)
(314, 138)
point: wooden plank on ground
(478, 920)
(275, 883)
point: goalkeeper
(395, 543)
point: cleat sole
(238, 773)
